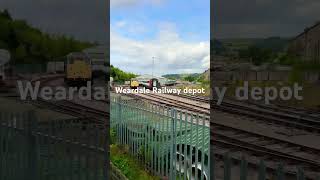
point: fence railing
(60, 149)
(171, 144)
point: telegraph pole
(152, 65)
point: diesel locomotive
(78, 69)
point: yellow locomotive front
(134, 83)
(78, 69)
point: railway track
(278, 110)
(267, 113)
(69, 107)
(258, 146)
(272, 160)
(195, 98)
(311, 114)
(274, 109)
(74, 109)
(174, 103)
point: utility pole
(152, 65)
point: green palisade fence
(171, 144)
(57, 149)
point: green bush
(127, 164)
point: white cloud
(130, 3)
(120, 24)
(172, 53)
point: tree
(119, 75)
(6, 14)
(256, 55)
(190, 78)
(20, 52)
(29, 44)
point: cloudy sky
(263, 18)
(82, 19)
(176, 33)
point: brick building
(307, 44)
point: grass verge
(128, 165)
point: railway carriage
(151, 83)
(78, 69)
(146, 83)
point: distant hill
(180, 76)
(30, 45)
(238, 43)
(190, 77)
(276, 44)
(273, 43)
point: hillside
(120, 75)
(275, 44)
(193, 77)
(30, 45)
(181, 76)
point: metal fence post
(211, 162)
(280, 172)
(197, 147)
(244, 169)
(227, 167)
(203, 148)
(119, 120)
(300, 174)
(185, 146)
(262, 170)
(191, 144)
(33, 146)
(174, 155)
(173, 149)
(1, 144)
